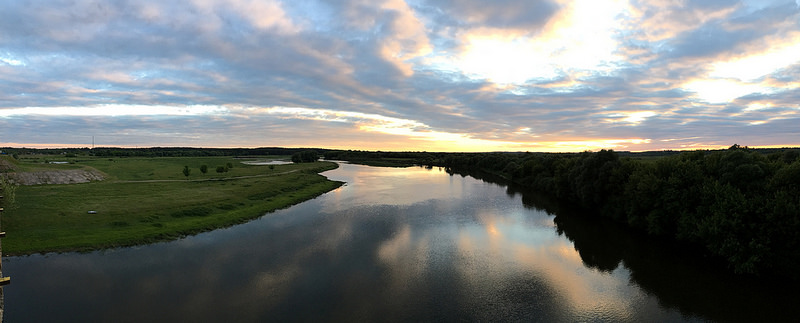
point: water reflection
(391, 245)
(395, 186)
(678, 276)
(267, 162)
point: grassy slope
(131, 210)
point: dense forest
(739, 204)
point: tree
(221, 169)
(186, 171)
(8, 191)
(306, 156)
(204, 169)
(271, 167)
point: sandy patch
(71, 176)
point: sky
(395, 75)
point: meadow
(145, 200)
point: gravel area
(71, 176)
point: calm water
(392, 245)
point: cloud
(406, 37)
(401, 75)
(497, 14)
(721, 91)
(757, 65)
(113, 110)
(555, 47)
(663, 20)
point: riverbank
(739, 204)
(147, 200)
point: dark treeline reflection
(680, 277)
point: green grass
(145, 200)
(143, 168)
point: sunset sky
(413, 75)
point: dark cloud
(768, 16)
(496, 14)
(709, 41)
(731, 36)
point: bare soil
(6, 166)
(71, 176)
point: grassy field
(144, 200)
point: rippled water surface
(393, 244)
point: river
(394, 244)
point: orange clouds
(408, 38)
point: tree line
(305, 156)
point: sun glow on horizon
(388, 133)
(415, 134)
(434, 140)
